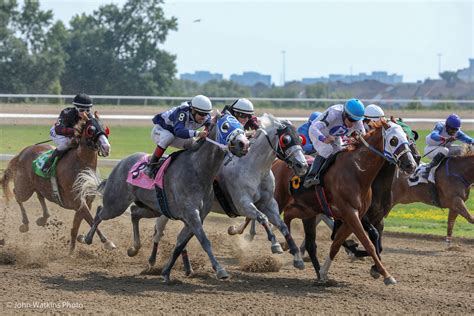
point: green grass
(127, 140)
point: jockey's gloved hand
(329, 139)
(202, 134)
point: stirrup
(309, 182)
(150, 171)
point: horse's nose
(243, 147)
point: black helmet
(82, 100)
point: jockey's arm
(61, 127)
(461, 136)
(435, 134)
(315, 131)
(181, 131)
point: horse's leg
(451, 221)
(458, 207)
(95, 223)
(108, 244)
(289, 214)
(351, 218)
(309, 226)
(253, 231)
(271, 210)
(24, 218)
(183, 238)
(41, 221)
(76, 222)
(234, 230)
(137, 214)
(343, 231)
(160, 225)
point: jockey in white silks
(439, 143)
(327, 130)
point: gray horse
(188, 187)
(249, 183)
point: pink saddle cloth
(137, 178)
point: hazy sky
(319, 37)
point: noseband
(278, 149)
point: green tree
(31, 53)
(117, 50)
(451, 77)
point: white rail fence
(145, 100)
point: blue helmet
(453, 121)
(314, 116)
(354, 108)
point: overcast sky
(319, 37)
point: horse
(187, 183)
(92, 140)
(249, 184)
(454, 179)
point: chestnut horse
(347, 185)
(92, 140)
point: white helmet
(201, 103)
(243, 106)
(373, 112)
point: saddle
(39, 162)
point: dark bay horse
(454, 179)
(188, 186)
(348, 190)
(92, 140)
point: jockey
(304, 130)
(178, 126)
(439, 141)
(372, 113)
(62, 132)
(243, 111)
(327, 130)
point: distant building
(251, 78)
(381, 76)
(201, 77)
(467, 74)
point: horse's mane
(467, 150)
(79, 127)
(375, 126)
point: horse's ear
(384, 123)
(392, 118)
(96, 114)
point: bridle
(286, 146)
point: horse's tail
(8, 175)
(88, 183)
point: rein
(393, 160)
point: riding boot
(436, 160)
(48, 163)
(150, 169)
(312, 178)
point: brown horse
(454, 178)
(347, 185)
(91, 140)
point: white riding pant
(452, 150)
(62, 142)
(164, 138)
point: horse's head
(93, 133)
(396, 146)
(412, 136)
(230, 132)
(286, 144)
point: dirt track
(431, 278)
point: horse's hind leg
(183, 238)
(310, 243)
(458, 207)
(76, 222)
(24, 218)
(41, 221)
(160, 225)
(342, 233)
(108, 244)
(137, 214)
(238, 230)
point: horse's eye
(285, 140)
(394, 141)
(225, 127)
(91, 131)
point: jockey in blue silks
(304, 130)
(439, 143)
(327, 130)
(178, 126)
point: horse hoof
(232, 230)
(41, 221)
(222, 274)
(276, 248)
(108, 245)
(248, 237)
(390, 281)
(189, 272)
(166, 278)
(132, 251)
(151, 262)
(24, 228)
(81, 239)
(284, 246)
(298, 264)
(374, 272)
